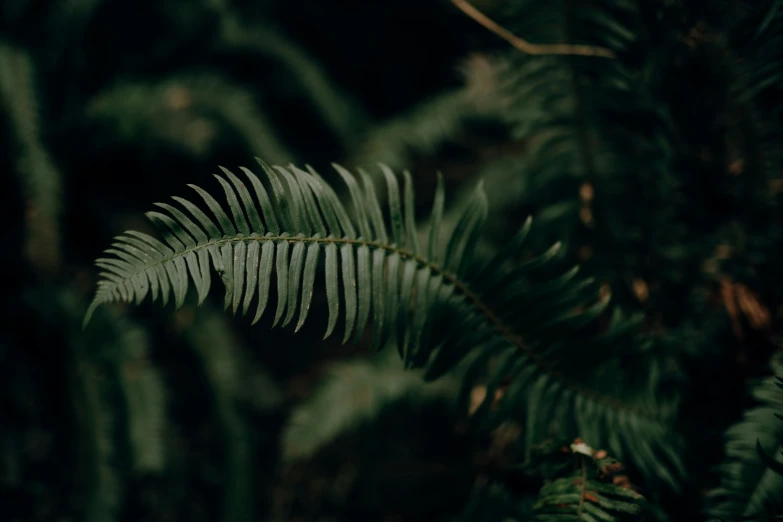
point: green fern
(758, 36)
(339, 111)
(580, 484)
(143, 393)
(525, 320)
(752, 481)
(185, 111)
(39, 178)
(598, 166)
(357, 392)
(428, 126)
(586, 493)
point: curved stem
(527, 47)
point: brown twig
(527, 47)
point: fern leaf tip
(88, 314)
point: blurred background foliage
(659, 170)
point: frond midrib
(506, 331)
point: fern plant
(594, 490)
(364, 389)
(580, 484)
(528, 324)
(752, 476)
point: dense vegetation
(540, 280)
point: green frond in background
(144, 392)
(425, 128)
(40, 180)
(338, 111)
(189, 112)
(354, 393)
(522, 320)
(758, 35)
(752, 475)
(118, 398)
(597, 169)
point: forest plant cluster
(549, 292)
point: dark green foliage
(597, 170)
(117, 398)
(492, 503)
(657, 170)
(39, 178)
(521, 318)
(587, 493)
(365, 390)
(752, 476)
(199, 104)
(579, 483)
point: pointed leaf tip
(88, 314)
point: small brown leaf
(586, 192)
(736, 167)
(606, 291)
(477, 396)
(640, 290)
(756, 313)
(729, 301)
(622, 481)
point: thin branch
(527, 47)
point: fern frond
(525, 321)
(355, 392)
(145, 398)
(752, 476)
(597, 172)
(296, 218)
(580, 484)
(338, 110)
(426, 127)
(40, 180)
(98, 417)
(97, 424)
(586, 493)
(184, 111)
(757, 35)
